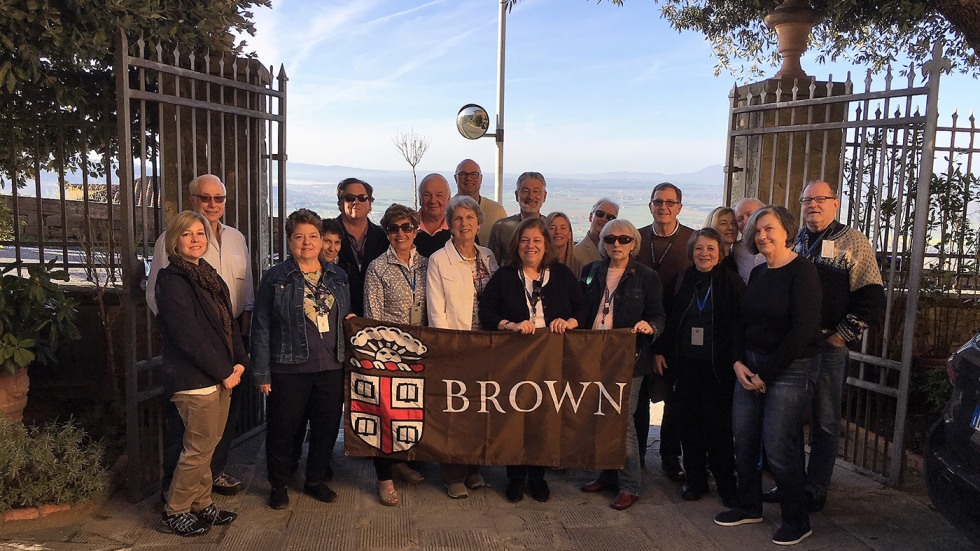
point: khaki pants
(204, 420)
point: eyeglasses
(599, 213)
(216, 199)
(623, 239)
(661, 202)
(465, 175)
(407, 227)
(360, 198)
(821, 199)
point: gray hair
(463, 202)
(530, 174)
(667, 185)
(623, 226)
(432, 176)
(605, 200)
(195, 184)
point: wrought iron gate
(180, 116)
(878, 147)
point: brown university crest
(386, 401)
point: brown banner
(488, 398)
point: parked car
(953, 446)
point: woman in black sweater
(203, 359)
(778, 330)
(533, 292)
(702, 305)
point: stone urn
(13, 394)
(792, 20)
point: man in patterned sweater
(853, 298)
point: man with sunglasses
(362, 240)
(586, 251)
(663, 247)
(531, 193)
(433, 229)
(469, 180)
(853, 299)
(228, 254)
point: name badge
(827, 249)
(323, 323)
(415, 315)
(697, 336)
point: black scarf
(205, 276)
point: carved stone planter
(13, 394)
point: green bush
(51, 464)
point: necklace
(466, 258)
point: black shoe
(226, 485)
(321, 492)
(815, 504)
(216, 517)
(690, 493)
(736, 517)
(672, 468)
(787, 535)
(539, 489)
(279, 498)
(184, 524)
(515, 490)
(771, 495)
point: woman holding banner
(622, 293)
(533, 292)
(394, 291)
(457, 275)
(298, 350)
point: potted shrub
(36, 317)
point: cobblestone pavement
(860, 514)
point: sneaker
(279, 498)
(226, 485)
(184, 524)
(787, 535)
(216, 517)
(321, 492)
(457, 490)
(736, 517)
(474, 481)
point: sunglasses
(360, 198)
(217, 199)
(661, 202)
(407, 227)
(599, 213)
(623, 239)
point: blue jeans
(827, 373)
(773, 420)
(629, 476)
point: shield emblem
(386, 412)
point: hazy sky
(589, 87)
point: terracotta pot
(13, 394)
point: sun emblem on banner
(386, 406)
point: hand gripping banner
(488, 398)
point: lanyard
(808, 250)
(606, 302)
(702, 303)
(535, 296)
(653, 253)
(316, 292)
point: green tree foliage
(56, 63)
(865, 32)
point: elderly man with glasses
(531, 193)
(469, 179)
(228, 254)
(586, 251)
(362, 240)
(664, 248)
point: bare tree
(412, 146)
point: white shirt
(230, 259)
(449, 287)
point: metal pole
(933, 69)
(498, 188)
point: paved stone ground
(861, 514)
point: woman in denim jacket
(298, 352)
